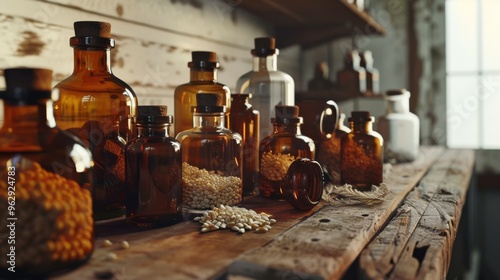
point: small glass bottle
(352, 79)
(245, 121)
(268, 86)
(45, 183)
(211, 158)
(153, 164)
(203, 79)
(278, 150)
(399, 127)
(362, 153)
(96, 106)
(328, 152)
(372, 74)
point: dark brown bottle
(203, 79)
(96, 106)
(362, 154)
(278, 150)
(352, 79)
(47, 224)
(245, 120)
(153, 162)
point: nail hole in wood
(315, 239)
(324, 220)
(406, 176)
(365, 215)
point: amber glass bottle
(203, 79)
(245, 120)
(153, 162)
(278, 150)
(352, 79)
(96, 106)
(211, 158)
(362, 153)
(46, 177)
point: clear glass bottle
(211, 158)
(268, 86)
(352, 79)
(203, 79)
(46, 177)
(245, 121)
(96, 106)
(362, 153)
(278, 150)
(372, 74)
(399, 127)
(153, 170)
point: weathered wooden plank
(379, 258)
(427, 254)
(325, 244)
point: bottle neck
(29, 116)
(153, 130)
(92, 61)
(292, 128)
(268, 63)
(400, 105)
(363, 127)
(208, 119)
(203, 75)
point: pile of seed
(237, 219)
(202, 189)
(275, 166)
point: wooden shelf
(309, 23)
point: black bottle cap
(153, 114)
(208, 103)
(396, 92)
(92, 34)
(202, 59)
(28, 84)
(287, 114)
(360, 117)
(265, 46)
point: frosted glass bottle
(399, 127)
(268, 86)
(372, 74)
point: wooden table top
(408, 236)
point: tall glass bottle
(268, 86)
(153, 164)
(362, 153)
(96, 106)
(203, 79)
(352, 79)
(278, 150)
(245, 121)
(372, 74)
(211, 158)
(46, 177)
(399, 127)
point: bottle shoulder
(95, 85)
(207, 133)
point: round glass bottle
(278, 150)
(46, 177)
(245, 121)
(96, 106)
(203, 79)
(211, 158)
(362, 153)
(269, 86)
(399, 127)
(153, 168)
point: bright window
(473, 73)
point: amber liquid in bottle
(362, 153)
(245, 120)
(96, 106)
(154, 185)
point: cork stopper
(360, 117)
(30, 79)
(153, 115)
(264, 46)
(92, 29)
(286, 114)
(203, 59)
(208, 103)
